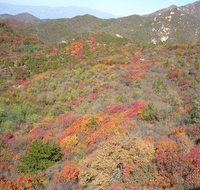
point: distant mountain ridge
(22, 17)
(171, 25)
(45, 12)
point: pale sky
(115, 7)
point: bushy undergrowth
(39, 156)
(194, 114)
(91, 97)
(15, 114)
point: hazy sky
(115, 7)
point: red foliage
(77, 101)
(38, 133)
(135, 59)
(4, 167)
(195, 154)
(174, 166)
(193, 131)
(24, 182)
(175, 74)
(7, 137)
(128, 110)
(115, 187)
(184, 83)
(21, 183)
(69, 172)
(138, 74)
(92, 138)
(65, 119)
(117, 109)
(77, 48)
(128, 169)
(135, 109)
(137, 69)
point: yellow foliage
(101, 166)
(69, 142)
(45, 121)
(28, 90)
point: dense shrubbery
(91, 97)
(117, 156)
(39, 156)
(194, 114)
(29, 48)
(12, 114)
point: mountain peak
(26, 17)
(172, 7)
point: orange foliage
(127, 170)
(24, 183)
(21, 183)
(178, 132)
(115, 187)
(92, 138)
(138, 74)
(91, 129)
(69, 172)
(175, 74)
(7, 185)
(49, 134)
(82, 124)
(92, 44)
(77, 48)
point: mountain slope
(192, 9)
(173, 24)
(26, 17)
(19, 21)
(98, 113)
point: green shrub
(29, 48)
(149, 113)
(92, 123)
(159, 85)
(121, 99)
(166, 62)
(39, 157)
(25, 113)
(55, 111)
(173, 97)
(79, 156)
(194, 114)
(181, 60)
(12, 114)
(197, 65)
